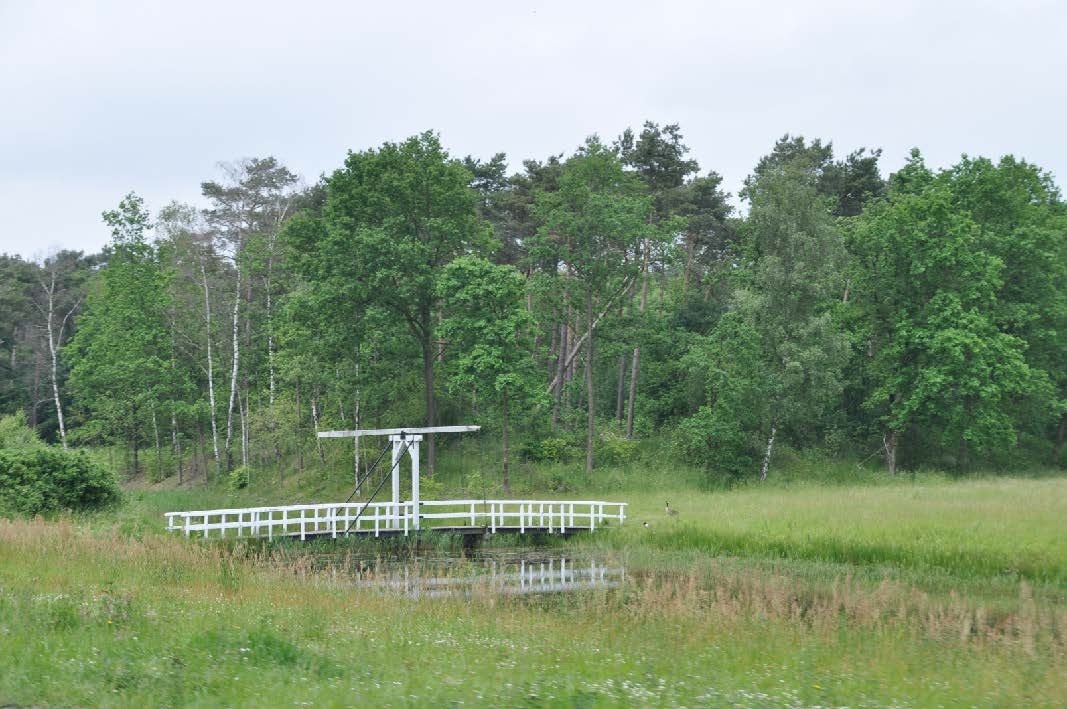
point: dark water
(496, 572)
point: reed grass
(909, 594)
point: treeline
(610, 294)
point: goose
(647, 525)
(670, 512)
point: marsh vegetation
(797, 595)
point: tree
(62, 288)
(488, 332)
(657, 155)
(1022, 219)
(120, 355)
(793, 271)
(928, 290)
(394, 217)
(591, 223)
(18, 336)
(730, 382)
(850, 183)
(247, 213)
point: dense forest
(609, 294)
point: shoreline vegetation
(796, 594)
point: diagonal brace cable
(366, 504)
(366, 476)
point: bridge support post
(412, 442)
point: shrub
(238, 478)
(716, 441)
(14, 433)
(44, 479)
(546, 450)
(616, 450)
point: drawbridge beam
(402, 439)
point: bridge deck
(456, 531)
(378, 519)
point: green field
(915, 593)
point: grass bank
(926, 592)
(92, 618)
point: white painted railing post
(304, 521)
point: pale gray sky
(100, 98)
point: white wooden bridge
(385, 519)
(400, 517)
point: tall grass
(94, 618)
(987, 527)
(833, 585)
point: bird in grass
(647, 525)
(670, 512)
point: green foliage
(15, 434)
(956, 598)
(487, 327)
(777, 359)
(615, 287)
(613, 449)
(945, 355)
(121, 356)
(553, 449)
(238, 478)
(40, 479)
(849, 184)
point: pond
(505, 572)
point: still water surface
(500, 572)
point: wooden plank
(397, 431)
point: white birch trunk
(315, 420)
(270, 348)
(355, 439)
(176, 443)
(889, 441)
(271, 245)
(767, 455)
(210, 371)
(236, 365)
(54, 343)
(242, 406)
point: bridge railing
(337, 519)
(552, 515)
(334, 519)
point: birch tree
(791, 280)
(61, 291)
(247, 212)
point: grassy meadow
(890, 592)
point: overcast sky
(100, 98)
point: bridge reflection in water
(505, 577)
